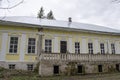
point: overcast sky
(100, 12)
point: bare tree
(13, 6)
(116, 1)
(8, 7)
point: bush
(36, 69)
(1, 75)
(71, 69)
(1, 69)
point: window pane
(31, 45)
(13, 44)
(77, 47)
(33, 51)
(15, 50)
(10, 50)
(90, 48)
(48, 45)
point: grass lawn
(115, 76)
(6, 74)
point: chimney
(70, 19)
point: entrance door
(56, 69)
(63, 46)
(117, 67)
(80, 68)
(100, 68)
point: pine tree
(41, 13)
(50, 15)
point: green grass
(6, 74)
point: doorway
(117, 67)
(56, 69)
(80, 69)
(99, 68)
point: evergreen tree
(50, 15)
(41, 13)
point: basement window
(30, 67)
(11, 66)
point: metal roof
(36, 22)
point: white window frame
(13, 44)
(77, 47)
(113, 48)
(48, 46)
(90, 48)
(31, 45)
(30, 67)
(102, 48)
(11, 66)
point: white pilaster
(109, 47)
(117, 47)
(4, 46)
(55, 45)
(84, 46)
(96, 46)
(70, 45)
(22, 47)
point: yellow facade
(77, 37)
(18, 31)
(48, 34)
(13, 57)
(30, 57)
(0, 40)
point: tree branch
(10, 7)
(117, 1)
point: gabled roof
(36, 22)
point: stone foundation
(46, 67)
(18, 65)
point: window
(113, 48)
(13, 45)
(48, 46)
(30, 67)
(63, 46)
(31, 45)
(102, 48)
(11, 66)
(77, 47)
(90, 48)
